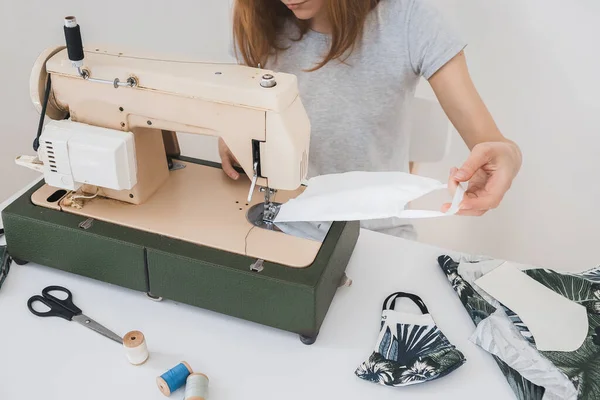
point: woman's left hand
(490, 171)
(494, 161)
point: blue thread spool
(174, 378)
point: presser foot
(263, 215)
(308, 340)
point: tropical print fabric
(410, 348)
(581, 367)
(480, 309)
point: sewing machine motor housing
(120, 204)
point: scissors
(67, 310)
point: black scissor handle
(66, 303)
(56, 310)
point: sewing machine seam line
(59, 227)
(270, 278)
(181, 257)
(171, 93)
(146, 270)
(157, 59)
(178, 256)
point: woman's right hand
(228, 160)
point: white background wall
(535, 63)
(183, 28)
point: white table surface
(51, 358)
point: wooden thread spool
(174, 378)
(196, 387)
(136, 351)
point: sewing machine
(119, 203)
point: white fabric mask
(359, 196)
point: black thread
(36, 142)
(74, 43)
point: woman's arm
(494, 160)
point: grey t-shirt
(360, 110)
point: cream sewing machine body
(238, 103)
(111, 159)
(258, 114)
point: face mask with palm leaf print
(410, 348)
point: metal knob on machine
(268, 81)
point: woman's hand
(494, 161)
(227, 160)
(490, 171)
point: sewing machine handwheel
(308, 340)
(37, 85)
(19, 262)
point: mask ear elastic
(390, 301)
(454, 207)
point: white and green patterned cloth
(410, 348)
(533, 374)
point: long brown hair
(257, 23)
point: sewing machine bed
(201, 205)
(294, 299)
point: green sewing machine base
(291, 299)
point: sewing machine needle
(253, 185)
